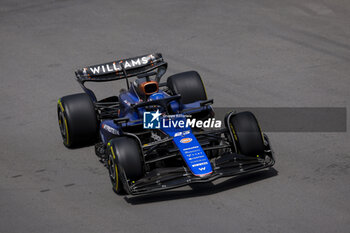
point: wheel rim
(111, 168)
(63, 129)
(62, 122)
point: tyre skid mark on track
(40, 170)
(45, 190)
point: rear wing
(122, 69)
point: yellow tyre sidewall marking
(60, 104)
(234, 132)
(67, 136)
(65, 121)
(116, 171)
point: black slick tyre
(246, 134)
(77, 120)
(189, 85)
(124, 161)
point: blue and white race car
(154, 135)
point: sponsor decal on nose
(186, 140)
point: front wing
(227, 165)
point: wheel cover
(113, 170)
(62, 122)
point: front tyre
(246, 134)
(125, 162)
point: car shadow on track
(202, 189)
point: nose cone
(206, 176)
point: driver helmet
(145, 87)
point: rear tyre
(189, 85)
(124, 162)
(246, 133)
(77, 120)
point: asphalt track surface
(271, 53)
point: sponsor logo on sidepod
(186, 140)
(110, 129)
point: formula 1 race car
(153, 135)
